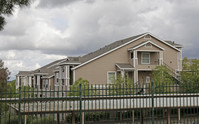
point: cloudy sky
(48, 30)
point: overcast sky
(48, 30)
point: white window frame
(148, 78)
(142, 57)
(108, 82)
(57, 77)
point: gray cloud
(55, 3)
(60, 3)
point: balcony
(146, 60)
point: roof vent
(147, 37)
(148, 45)
(76, 59)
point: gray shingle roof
(24, 73)
(124, 66)
(71, 60)
(106, 48)
(173, 43)
(47, 69)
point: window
(148, 79)
(46, 83)
(57, 77)
(132, 55)
(62, 73)
(111, 77)
(145, 58)
(62, 81)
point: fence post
(152, 98)
(80, 104)
(19, 102)
(0, 111)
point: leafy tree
(161, 79)
(4, 76)
(7, 8)
(26, 91)
(11, 89)
(190, 75)
(190, 70)
(86, 88)
(122, 86)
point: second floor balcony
(146, 60)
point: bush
(13, 119)
(86, 88)
(43, 120)
(121, 86)
(162, 79)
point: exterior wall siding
(96, 71)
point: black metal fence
(125, 103)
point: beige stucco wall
(96, 71)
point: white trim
(118, 66)
(144, 69)
(135, 76)
(142, 58)
(145, 44)
(40, 73)
(122, 46)
(69, 63)
(148, 50)
(135, 57)
(127, 68)
(107, 78)
(51, 76)
(73, 76)
(148, 77)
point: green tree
(87, 89)
(161, 79)
(7, 8)
(122, 85)
(11, 89)
(190, 75)
(26, 91)
(4, 76)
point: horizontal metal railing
(89, 101)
